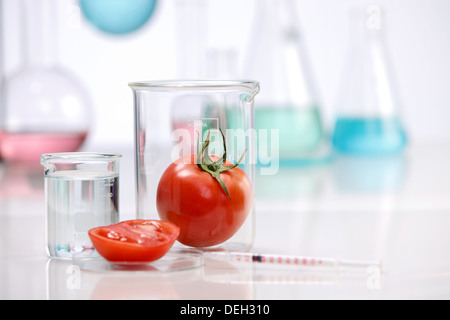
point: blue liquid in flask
(300, 133)
(369, 136)
(118, 16)
(300, 130)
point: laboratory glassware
(2, 73)
(177, 259)
(191, 38)
(368, 121)
(172, 117)
(81, 192)
(118, 16)
(46, 107)
(289, 104)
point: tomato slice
(134, 240)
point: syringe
(290, 260)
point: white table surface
(394, 210)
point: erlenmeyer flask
(288, 104)
(46, 108)
(367, 120)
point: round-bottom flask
(118, 16)
(46, 109)
(45, 112)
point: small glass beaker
(81, 192)
(173, 120)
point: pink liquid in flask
(28, 147)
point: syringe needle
(301, 261)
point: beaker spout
(47, 164)
(254, 90)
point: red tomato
(195, 201)
(134, 240)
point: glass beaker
(277, 57)
(81, 192)
(368, 120)
(46, 107)
(173, 120)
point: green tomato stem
(215, 168)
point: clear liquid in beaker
(76, 202)
(375, 135)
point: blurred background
(215, 38)
(359, 91)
